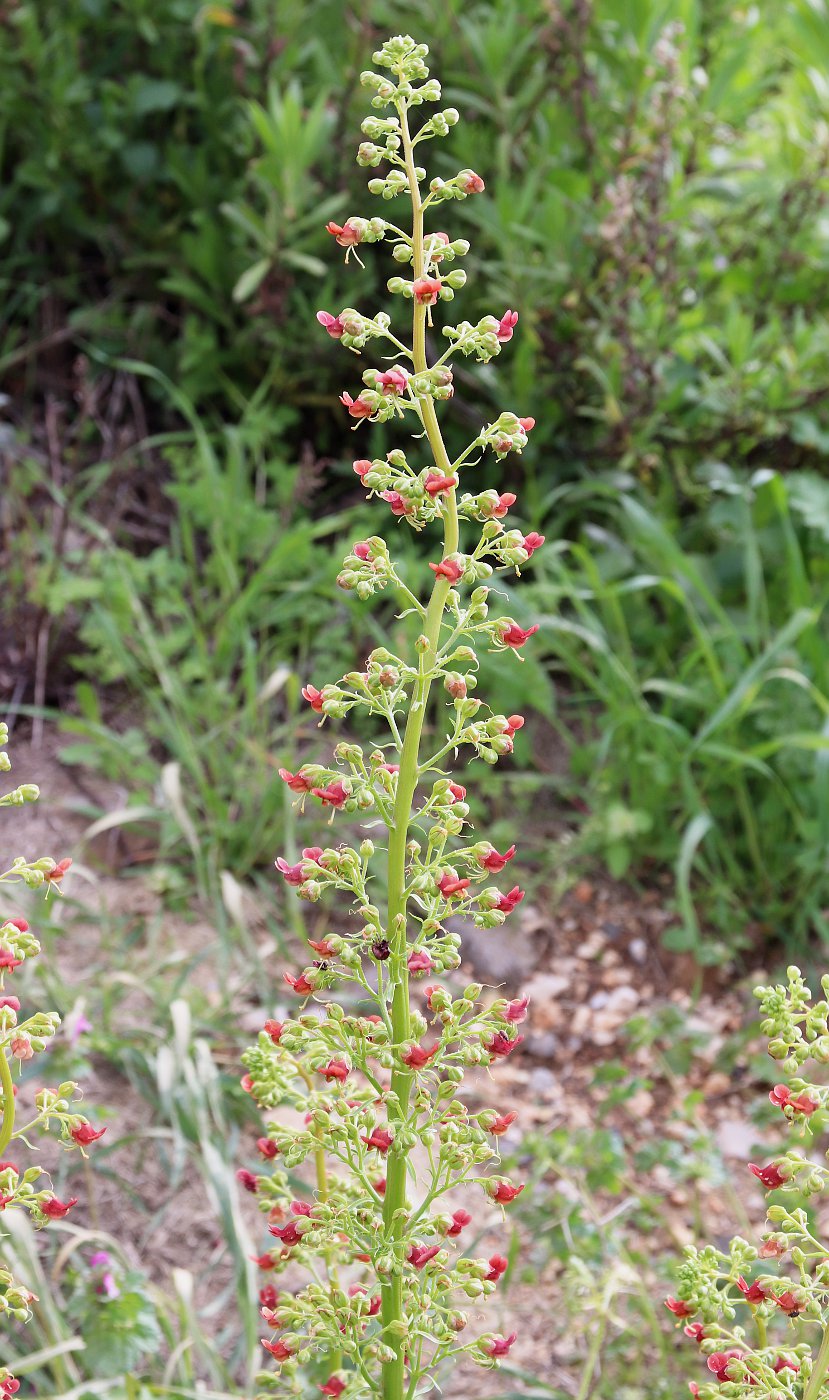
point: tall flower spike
(370, 1087)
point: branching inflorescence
(754, 1310)
(25, 1187)
(382, 1233)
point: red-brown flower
(336, 1069)
(56, 1209)
(514, 636)
(772, 1176)
(426, 290)
(84, 1134)
(332, 324)
(499, 1346)
(506, 325)
(448, 568)
(498, 1266)
(493, 862)
(451, 887)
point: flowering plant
(21, 1040)
(754, 1310)
(375, 1078)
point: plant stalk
(7, 1096)
(394, 1205)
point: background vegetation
(177, 480)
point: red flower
(335, 1069)
(313, 696)
(380, 1138)
(718, 1363)
(380, 1185)
(288, 1234)
(451, 887)
(695, 1330)
(532, 542)
(460, 1219)
(392, 381)
(279, 1349)
(514, 636)
(399, 504)
(498, 1266)
(358, 408)
(527, 424)
(264, 1261)
(334, 795)
(516, 1011)
(292, 874)
(503, 1192)
(295, 781)
(753, 1293)
(300, 984)
(785, 1363)
(502, 1123)
(679, 1308)
(20, 924)
(8, 962)
(56, 1209)
(434, 483)
(12, 1002)
(458, 792)
(499, 1346)
(493, 862)
(274, 1030)
(789, 1303)
(426, 290)
(248, 1180)
(771, 1176)
(416, 1057)
(362, 467)
(420, 1254)
(508, 902)
(268, 1295)
(332, 324)
(333, 1387)
(505, 500)
(500, 1045)
(470, 183)
(347, 234)
(84, 1134)
(419, 961)
(448, 568)
(362, 550)
(247, 1083)
(514, 723)
(267, 1148)
(9, 1387)
(59, 871)
(506, 325)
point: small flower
(781, 1097)
(503, 1191)
(348, 234)
(274, 1030)
(718, 1363)
(498, 1266)
(516, 1011)
(532, 542)
(772, 1176)
(419, 961)
(380, 1138)
(460, 1219)
(679, 1308)
(752, 1293)
(499, 1346)
(60, 869)
(399, 504)
(279, 1349)
(335, 1069)
(288, 1234)
(508, 902)
(416, 1057)
(55, 1209)
(451, 887)
(84, 1134)
(789, 1303)
(448, 568)
(393, 381)
(300, 984)
(785, 1363)
(333, 1387)
(313, 696)
(695, 1330)
(426, 290)
(248, 1180)
(471, 183)
(21, 1047)
(514, 723)
(458, 792)
(362, 550)
(506, 325)
(500, 1045)
(362, 467)
(358, 408)
(332, 324)
(334, 795)
(502, 1123)
(419, 1254)
(295, 781)
(268, 1296)
(267, 1148)
(493, 862)
(435, 484)
(512, 635)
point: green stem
(394, 1206)
(819, 1369)
(7, 1087)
